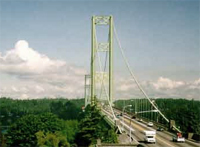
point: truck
(150, 136)
(178, 138)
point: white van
(150, 136)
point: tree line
(51, 123)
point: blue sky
(160, 37)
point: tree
(49, 139)
(66, 111)
(93, 127)
(22, 133)
(71, 128)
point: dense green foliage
(93, 127)
(22, 132)
(11, 110)
(186, 113)
(51, 139)
(52, 123)
(56, 120)
(71, 129)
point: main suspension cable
(133, 76)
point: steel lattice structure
(101, 47)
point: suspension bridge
(99, 92)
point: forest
(51, 123)
(63, 122)
(186, 113)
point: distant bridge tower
(87, 90)
(98, 47)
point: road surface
(163, 139)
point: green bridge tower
(101, 47)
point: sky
(45, 47)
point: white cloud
(125, 85)
(38, 75)
(163, 87)
(197, 82)
(23, 59)
(14, 89)
(165, 83)
(39, 89)
(195, 85)
(24, 96)
(24, 89)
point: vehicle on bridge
(160, 129)
(150, 136)
(178, 138)
(133, 117)
(118, 115)
(140, 120)
(150, 124)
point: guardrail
(109, 121)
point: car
(140, 120)
(178, 139)
(118, 116)
(150, 124)
(160, 129)
(133, 117)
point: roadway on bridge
(163, 139)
